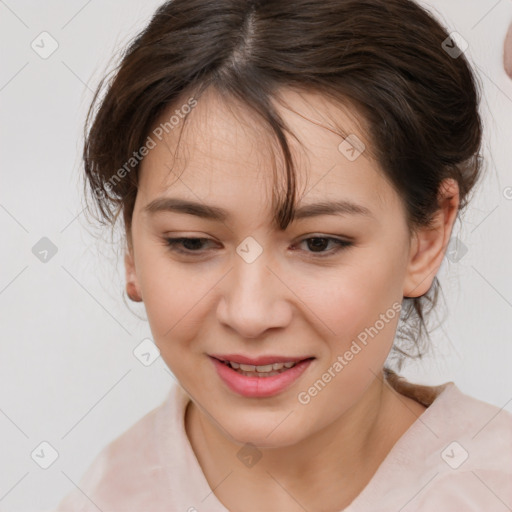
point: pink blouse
(456, 457)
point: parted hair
(387, 59)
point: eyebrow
(215, 213)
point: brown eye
(318, 244)
(188, 246)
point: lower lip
(259, 387)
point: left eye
(320, 242)
(192, 246)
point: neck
(341, 457)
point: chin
(266, 434)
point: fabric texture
(456, 456)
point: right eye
(186, 246)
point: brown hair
(387, 58)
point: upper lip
(259, 361)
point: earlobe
(428, 244)
(132, 286)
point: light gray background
(68, 374)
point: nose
(254, 298)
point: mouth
(262, 370)
(259, 380)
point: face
(328, 286)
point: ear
(428, 244)
(132, 285)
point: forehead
(227, 156)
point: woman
(289, 174)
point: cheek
(352, 297)
(170, 291)
(361, 307)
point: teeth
(247, 367)
(268, 369)
(264, 368)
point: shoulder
(469, 465)
(457, 416)
(455, 456)
(471, 490)
(126, 472)
(484, 426)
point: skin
(507, 55)
(289, 301)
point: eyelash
(173, 243)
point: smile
(259, 380)
(266, 370)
